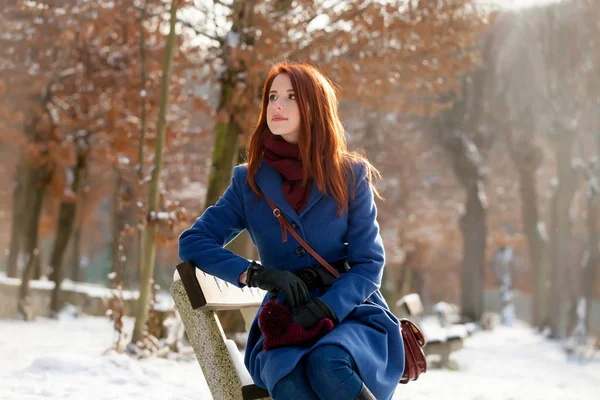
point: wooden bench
(198, 296)
(409, 306)
(441, 340)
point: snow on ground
(509, 364)
(50, 359)
(64, 359)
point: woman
(298, 159)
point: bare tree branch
(198, 32)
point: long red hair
(322, 142)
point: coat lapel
(315, 195)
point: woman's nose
(277, 104)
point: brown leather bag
(415, 362)
(414, 358)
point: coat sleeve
(203, 243)
(366, 255)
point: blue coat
(368, 331)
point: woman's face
(283, 114)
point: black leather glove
(274, 281)
(314, 278)
(314, 311)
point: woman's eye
(292, 96)
(271, 97)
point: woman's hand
(314, 311)
(273, 280)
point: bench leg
(451, 347)
(444, 350)
(445, 356)
(208, 339)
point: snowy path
(63, 360)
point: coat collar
(269, 181)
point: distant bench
(444, 339)
(197, 297)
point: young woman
(299, 160)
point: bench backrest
(409, 305)
(211, 293)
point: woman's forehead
(281, 82)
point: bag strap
(285, 227)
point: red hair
(322, 142)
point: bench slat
(210, 293)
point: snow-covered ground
(65, 359)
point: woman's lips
(278, 119)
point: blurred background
(121, 121)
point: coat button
(294, 225)
(300, 251)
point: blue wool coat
(368, 331)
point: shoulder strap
(285, 227)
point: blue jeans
(328, 372)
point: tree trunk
(141, 225)
(225, 151)
(39, 180)
(154, 197)
(224, 154)
(469, 168)
(76, 249)
(64, 229)
(37, 266)
(537, 243)
(527, 157)
(16, 236)
(407, 280)
(467, 141)
(474, 231)
(588, 275)
(75, 242)
(561, 233)
(118, 223)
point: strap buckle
(276, 212)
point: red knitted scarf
(285, 158)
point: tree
(589, 44)
(153, 201)
(566, 98)
(31, 77)
(463, 134)
(514, 91)
(66, 221)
